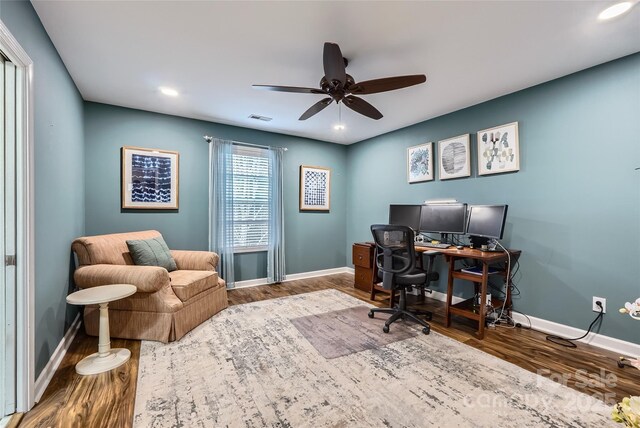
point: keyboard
(430, 245)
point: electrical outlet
(601, 300)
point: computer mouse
(459, 247)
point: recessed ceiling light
(338, 127)
(615, 10)
(168, 91)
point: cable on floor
(568, 343)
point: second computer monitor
(443, 218)
(405, 215)
(487, 221)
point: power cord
(528, 320)
(501, 317)
(568, 343)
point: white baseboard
(315, 273)
(251, 283)
(56, 358)
(437, 295)
(293, 277)
(601, 341)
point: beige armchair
(167, 305)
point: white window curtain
(220, 203)
(254, 195)
(275, 252)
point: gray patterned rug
(250, 366)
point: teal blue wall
(574, 207)
(59, 176)
(313, 241)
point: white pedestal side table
(106, 358)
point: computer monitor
(405, 215)
(443, 218)
(487, 221)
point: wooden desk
(466, 308)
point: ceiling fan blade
(361, 106)
(290, 89)
(386, 84)
(334, 68)
(316, 108)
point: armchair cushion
(195, 260)
(147, 279)
(188, 283)
(151, 252)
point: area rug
(250, 366)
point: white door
(7, 236)
(17, 383)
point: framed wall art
(420, 163)
(498, 149)
(149, 179)
(315, 188)
(454, 157)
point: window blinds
(250, 195)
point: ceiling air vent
(262, 118)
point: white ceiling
(120, 52)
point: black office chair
(396, 261)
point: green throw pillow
(151, 252)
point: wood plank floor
(107, 399)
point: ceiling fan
(341, 87)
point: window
(250, 208)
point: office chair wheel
(385, 329)
(370, 314)
(426, 330)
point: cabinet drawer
(362, 256)
(363, 278)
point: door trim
(25, 249)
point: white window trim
(25, 272)
(256, 249)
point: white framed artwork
(149, 178)
(498, 149)
(315, 188)
(420, 163)
(454, 157)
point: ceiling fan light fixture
(339, 127)
(615, 10)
